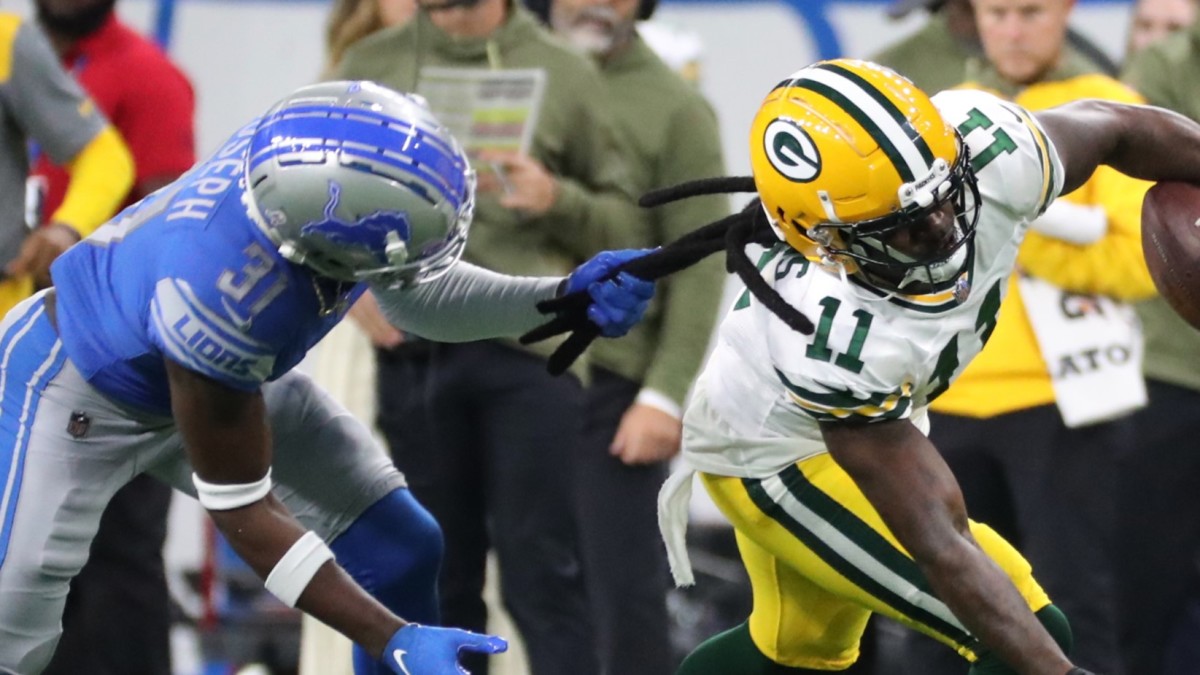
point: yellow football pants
(821, 561)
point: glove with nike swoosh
(429, 650)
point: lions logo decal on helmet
(791, 150)
(383, 230)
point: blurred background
(241, 55)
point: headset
(542, 9)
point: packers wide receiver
(900, 217)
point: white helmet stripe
(867, 107)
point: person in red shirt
(144, 95)
(151, 104)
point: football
(1171, 244)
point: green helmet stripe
(882, 139)
(885, 103)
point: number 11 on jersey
(820, 350)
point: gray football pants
(56, 475)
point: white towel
(673, 501)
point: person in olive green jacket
(935, 57)
(482, 431)
(1158, 512)
(637, 388)
(939, 55)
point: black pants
(1049, 490)
(117, 620)
(490, 457)
(624, 561)
(1158, 495)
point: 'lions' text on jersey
(153, 283)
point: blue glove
(428, 650)
(617, 303)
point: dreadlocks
(731, 234)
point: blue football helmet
(360, 183)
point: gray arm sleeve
(46, 101)
(468, 303)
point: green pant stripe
(830, 510)
(849, 569)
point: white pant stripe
(854, 554)
(872, 109)
(17, 453)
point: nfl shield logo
(962, 288)
(78, 424)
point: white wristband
(216, 497)
(297, 567)
(1073, 223)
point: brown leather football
(1171, 243)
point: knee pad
(393, 550)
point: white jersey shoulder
(1014, 160)
(873, 356)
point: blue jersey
(186, 275)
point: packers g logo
(791, 151)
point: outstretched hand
(617, 302)
(598, 298)
(429, 650)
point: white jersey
(873, 356)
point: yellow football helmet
(846, 152)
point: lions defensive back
(167, 346)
